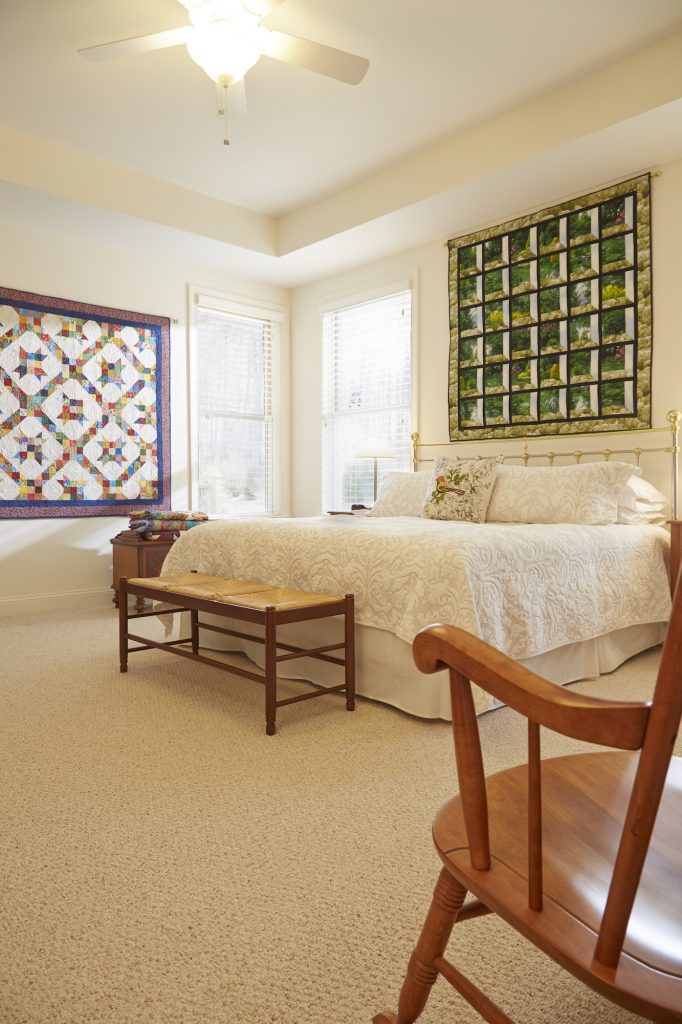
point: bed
(568, 599)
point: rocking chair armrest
(619, 724)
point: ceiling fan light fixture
(225, 51)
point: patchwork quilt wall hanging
(84, 408)
(550, 320)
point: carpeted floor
(162, 861)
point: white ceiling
(438, 69)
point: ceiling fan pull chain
(221, 95)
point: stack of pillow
(479, 490)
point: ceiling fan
(227, 37)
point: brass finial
(415, 445)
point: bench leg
(349, 620)
(194, 619)
(123, 623)
(270, 670)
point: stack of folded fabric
(160, 524)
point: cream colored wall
(49, 562)
(430, 264)
(45, 563)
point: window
(367, 350)
(235, 409)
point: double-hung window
(235, 415)
(367, 375)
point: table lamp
(375, 448)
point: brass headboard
(674, 418)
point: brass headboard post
(414, 438)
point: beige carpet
(163, 861)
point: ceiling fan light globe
(224, 50)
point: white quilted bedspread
(524, 589)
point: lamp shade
(375, 448)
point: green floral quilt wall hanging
(550, 320)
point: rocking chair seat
(585, 799)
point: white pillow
(460, 490)
(402, 494)
(640, 502)
(586, 493)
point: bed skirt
(385, 669)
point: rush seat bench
(256, 603)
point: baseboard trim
(100, 597)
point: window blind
(366, 393)
(235, 414)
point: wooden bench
(257, 603)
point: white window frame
(279, 472)
(379, 291)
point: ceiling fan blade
(345, 67)
(138, 44)
(261, 7)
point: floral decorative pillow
(460, 489)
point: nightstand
(135, 557)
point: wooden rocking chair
(571, 859)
